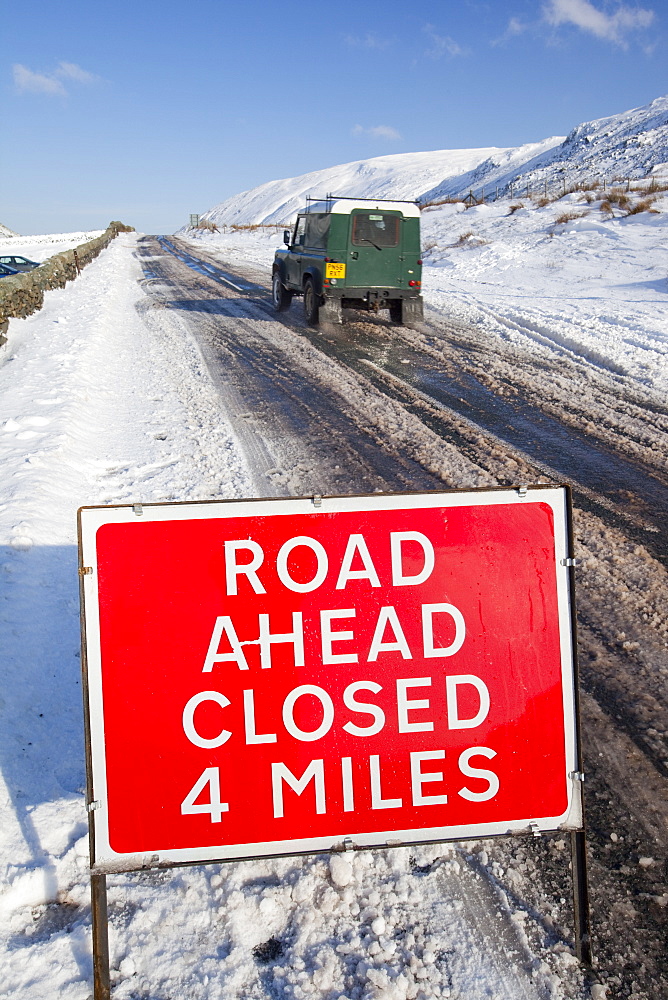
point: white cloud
(70, 71)
(442, 44)
(609, 27)
(52, 84)
(28, 82)
(369, 41)
(378, 132)
(515, 28)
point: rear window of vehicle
(377, 228)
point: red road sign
(280, 676)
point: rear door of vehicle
(315, 242)
(374, 249)
(293, 259)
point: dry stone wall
(23, 294)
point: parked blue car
(6, 271)
(18, 263)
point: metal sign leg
(581, 897)
(98, 898)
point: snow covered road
(464, 380)
(187, 387)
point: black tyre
(311, 303)
(280, 295)
(396, 313)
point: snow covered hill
(631, 144)
(400, 175)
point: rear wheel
(311, 303)
(280, 295)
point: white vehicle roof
(344, 206)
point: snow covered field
(40, 247)
(101, 407)
(85, 420)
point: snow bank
(595, 287)
(96, 409)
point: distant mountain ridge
(631, 144)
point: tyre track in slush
(456, 405)
(303, 424)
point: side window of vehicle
(300, 230)
(317, 230)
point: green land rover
(354, 253)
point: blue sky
(147, 110)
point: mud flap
(412, 311)
(331, 311)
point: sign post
(98, 903)
(276, 677)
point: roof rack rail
(351, 197)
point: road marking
(198, 265)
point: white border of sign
(104, 859)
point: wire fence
(552, 190)
(205, 225)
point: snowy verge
(97, 409)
